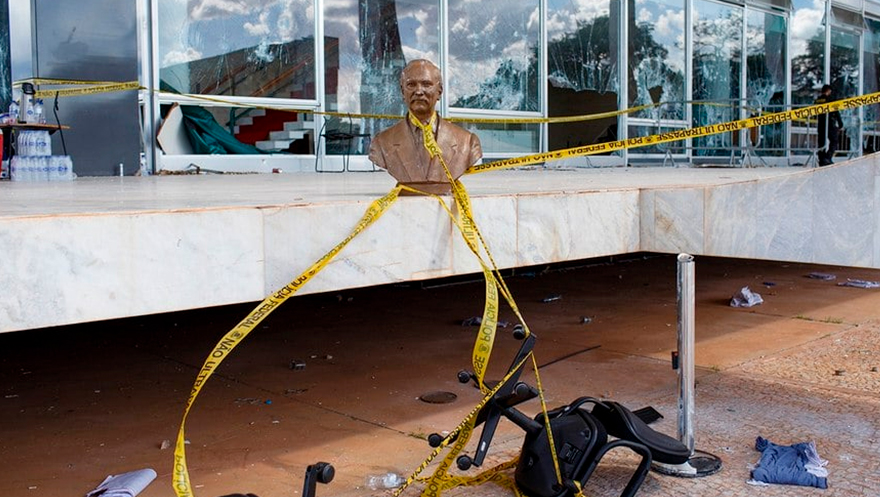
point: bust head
(421, 85)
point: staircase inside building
(276, 130)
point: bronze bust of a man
(401, 150)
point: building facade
(307, 82)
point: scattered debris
(860, 283)
(295, 391)
(297, 365)
(586, 320)
(472, 321)
(124, 485)
(839, 372)
(388, 480)
(874, 369)
(165, 445)
(745, 298)
(553, 297)
(822, 276)
(768, 284)
(247, 400)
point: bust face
(421, 87)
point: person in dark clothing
(829, 127)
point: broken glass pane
(765, 78)
(716, 73)
(368, 43)
(251, 49)
(871, 82)
(656, 59)
(582, 75)
(493, 55)
(845, 82)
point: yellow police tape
(87, 87)
(440, 480)
(642, 141)
(229, 341)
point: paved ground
(81, 402)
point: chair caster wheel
(435, 439)
(464, 463)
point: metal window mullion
(787, 101)
(623, 76)
(444, 55)
(543, 77)
(154, 159)
(744, 134)
(827, 52)
(689, 71)
(320, 83)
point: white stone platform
(101, 248)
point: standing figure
(828, 128)
(401, 149)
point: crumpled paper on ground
(124, 485)
(745, 298)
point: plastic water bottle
(60, 168)
(39, 115)
(388, 480)
(13, 110)
(42, 143)
(22, 145)
(15, 168)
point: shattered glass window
(871, 82)
(493, 55)
(368, 44)
(807, 50)
(844, 80)
(262, 48)
(765, 78)
(583, 79)
(656, 59)
(717, 59)
(656, 71)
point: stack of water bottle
(34, 160)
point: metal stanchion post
(700, 463)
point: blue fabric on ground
(784, 464)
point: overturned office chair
(580, 436)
